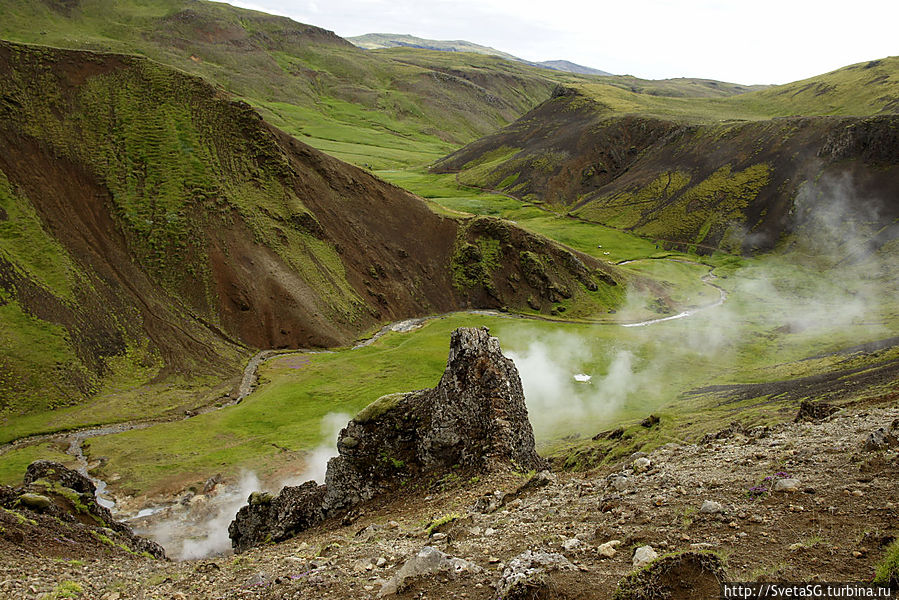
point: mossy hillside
(639, 173)
(365, 107)
(702, 212)
(494, 260)
(179, 162)
(25, 242)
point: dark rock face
(55, 490)
(55, 472)
(814, 411)
(266, 519)
(475, 420)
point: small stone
(571, 544)
(381, 562)
(796, 546)
(608, 550)
(641, 465)
(619, 483)
(644, 555)
(858, 493)
(710, 507)
(438, 536)
(489, 531)
(787, 485)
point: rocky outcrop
(67, 498)
(475, 420)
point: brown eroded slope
(151, 224)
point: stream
(248, 381)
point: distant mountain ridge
(377, 41)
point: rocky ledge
(61, 502)
(474, 421)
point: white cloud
(767, 41)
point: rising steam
(199, 528)
(825, 280)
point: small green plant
(435, 526)
(887, 570)
(65, 589)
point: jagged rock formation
(64, 502)
(475, 420)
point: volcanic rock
(67, 495)
(474, 421)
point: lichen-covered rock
(62, 493)
(427, 562)
(525, 575)
(53, 471)
(475, 420)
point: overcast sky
(743, 41)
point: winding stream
(249, 379)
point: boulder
(56, 473)
(267, 519)
(787, 485)
(644, 555)
(474, 421)
(428, 561)
(36, 502)
(64, 493)
(814, 411)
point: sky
(742, 41)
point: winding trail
(77, 437)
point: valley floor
(834, 527)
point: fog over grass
(826, 283)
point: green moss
(65, 589)
(22, 520)
(436, 525)
(887, 570)
(379, 407)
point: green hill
(363, 107)
(376, 41)
(152, 226)
(703, 173)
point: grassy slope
(856, 90)
(719, 172)
(364, 107)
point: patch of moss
(65, 589)
(887, 570)
(379, 407)
(435, 525)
